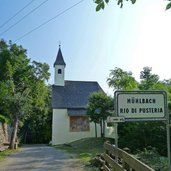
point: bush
(151, 157)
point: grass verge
(84, 149)
(6, 153)
(88, 148)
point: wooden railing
(115, 159)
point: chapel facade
(69, 100)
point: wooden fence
(115, 159)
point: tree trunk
(14, 134)
(95, 129)
(5, 131)
(103, 128)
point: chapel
(69, 100)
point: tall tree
(37, 126)
(148, 80)
(19, 85)
(14, 78)
(98, 109)
(121, 80)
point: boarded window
(79, 124)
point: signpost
(141, 106)
(115, 119)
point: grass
(6, 153)
(84, 149)
(88, 148)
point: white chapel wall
(61, 129)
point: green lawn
(84, 149)
(4, 154)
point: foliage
(15, 70)
(139, 135)
(122, 80)
(41, 70)
(23, 92)
(148, 80)
(168, 6)
(6, 153)
(3, 119)
(151, 157)
(98, 109)
(101, 3)
(37, 127)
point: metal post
(116, 134)
(115, 124)
(168, 143)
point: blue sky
(93, 42)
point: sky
(92, 43)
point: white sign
(141, 105)
(115, 119)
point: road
(40, 158)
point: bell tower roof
(59, 59)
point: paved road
(40, 158)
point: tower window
(59, 71)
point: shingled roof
(74, 94)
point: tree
(37, 126)
(148, 80)
(22, 85)
(15, 70)
(98, 109)
(139, 135)
(121, 80)
(101, 3)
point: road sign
(115, 119)
(141, 105)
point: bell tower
(59, 66)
